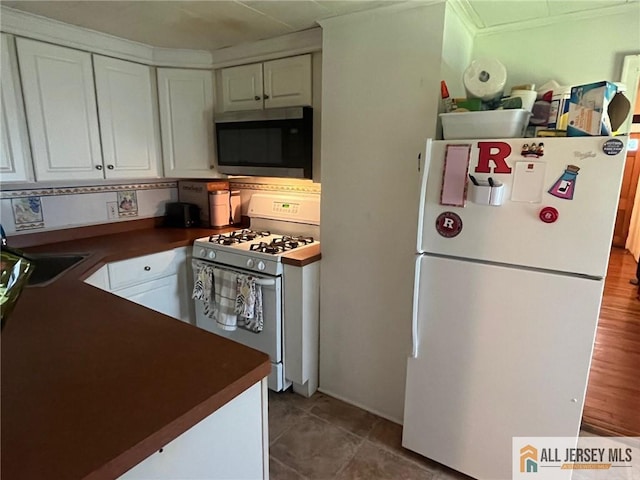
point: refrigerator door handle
(414, 314)
(423, 193)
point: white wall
(573, 52)
(457, 50)
(380, 91)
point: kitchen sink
(49, 266)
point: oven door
(269, 340)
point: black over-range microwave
(273, 142)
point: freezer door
(513, 233)
(501, 352)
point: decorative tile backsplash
(127, 203)
(27, 213)
(23, 211)
(26, 210)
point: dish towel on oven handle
(230, 299)
(249, 304)
(217, 289)
(203, 286)
(226, 290)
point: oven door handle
(262, 281)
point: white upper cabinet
(61, 111)
(242, 88)
(186, 121)
(15, 157)
(278, 83)
(287, 82)
(128, 118)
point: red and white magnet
(448, 224)
(549, 214)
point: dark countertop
(92, 384)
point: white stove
(259, 251)
(279, 225)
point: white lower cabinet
(301, 326)
(231, 443)
(162, 295)
(159, 281)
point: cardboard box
(588, 106)
(197, 192)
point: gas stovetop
(253, 249)
(261, 241)
(296, 218)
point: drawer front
(142, 269)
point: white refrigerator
(508, 285)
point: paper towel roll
(485, 78)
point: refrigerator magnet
(448, 224)
(613, 146)
(528, 182)
(532, 150)
(565, 186)
(454, 175)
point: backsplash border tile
(315, 188)
(53, 191)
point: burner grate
(294, 240)
(264, 247)
(281, 244)
(240, 236)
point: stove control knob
(203, 252)
(261, 265)
(211, 254)
(250, 263)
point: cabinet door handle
(110, 167)
(98, 167)
(147, 268)
(257, 97)
(266, 97)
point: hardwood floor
(612, 405)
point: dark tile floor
(323, 438)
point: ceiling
(215, 24)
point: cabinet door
(230, 443)
(15, 156)
(186, 120)
(163, 295)
(99, 279)
(287, 82)
(128, 118)
(61, 111)
(242, 88)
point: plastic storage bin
(488, 124)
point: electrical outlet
(112, 210)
